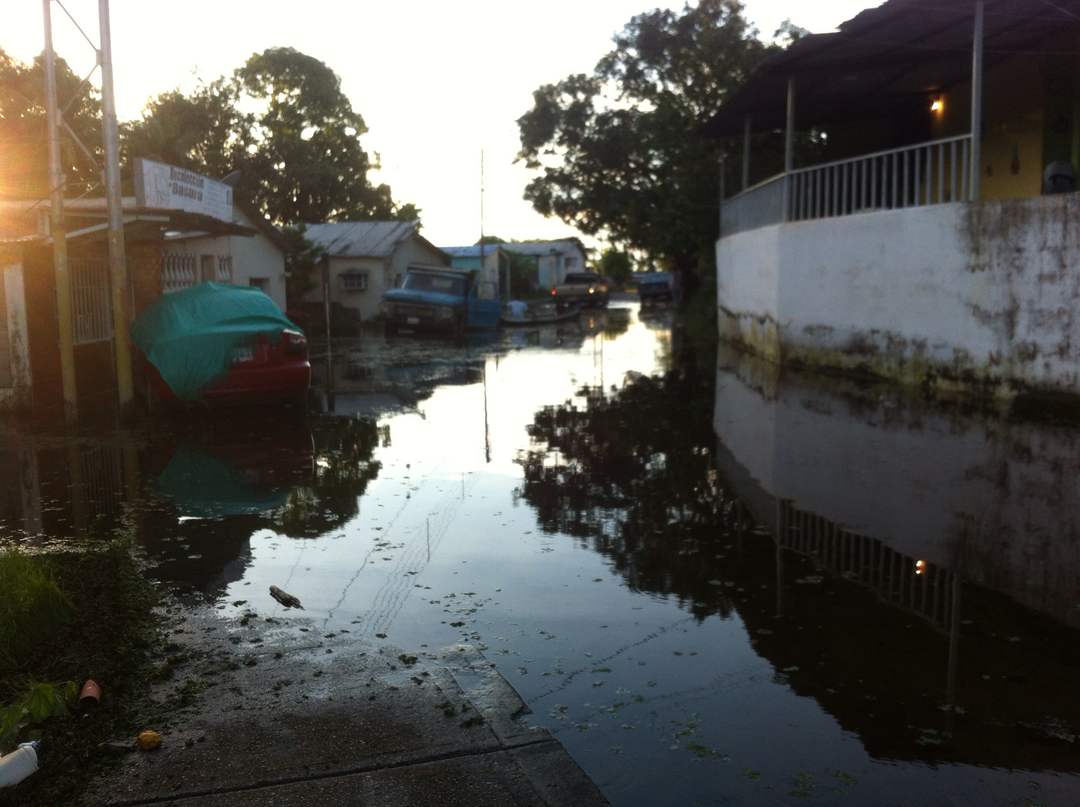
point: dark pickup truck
(582, 288)
(442, 300)
(654, 287)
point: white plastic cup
(19, 764)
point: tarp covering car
(190, 335)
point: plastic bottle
(19, 764)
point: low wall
(973, 298)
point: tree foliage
(621, 150)
(24, 156)
(284, 122)
(615, 264)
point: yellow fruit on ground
(148, 740)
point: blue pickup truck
(441, 301)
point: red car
(222, 345)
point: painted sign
(171, 188)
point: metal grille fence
(178, 271)
(90, 303)
(224, 269)
(922, 174)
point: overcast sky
(435, 81)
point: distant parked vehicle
(544, 312)
(219, 344)
(582, 288)
(655, 287)
(441, 301)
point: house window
(571, 264)
(261, 283)
(354, 280)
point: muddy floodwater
(712, 584)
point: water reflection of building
(908, 637)
(191, 494)
(990, 499)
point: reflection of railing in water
(918, 586)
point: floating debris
(286, 599)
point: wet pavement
(710, 585)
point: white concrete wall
(963, 295)
(252, 257)
(364, 304)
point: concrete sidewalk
(262, 714)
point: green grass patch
(32, 610)
(66, 617)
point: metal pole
(481, 213)
(56, 228)
(789, 145)
(746, 153)
(326, 316)
(118, 275)
(976, 103)
(720, 181)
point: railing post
(789, 145)
(746, 154)
(976, 103)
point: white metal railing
(757, 206)
(91, 307)
(928, 173)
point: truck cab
(440, 300)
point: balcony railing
(928, 173)
(923, 174)
(757, 206)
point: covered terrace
(912, 103)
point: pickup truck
(583, 288)
(655, 286)
(440, 300)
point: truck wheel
(390, 329)
(459, 329)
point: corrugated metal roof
(471, 251)
(533, 248)
(360, 239)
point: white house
(553, 258)
(256, 260)
(365, 258)
(922, 227)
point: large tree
(24, 157)
(284, 122)
(621, 152)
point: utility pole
(118, 276)
(56, 228)
(481, 273)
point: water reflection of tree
(631, 476)
(343, 467)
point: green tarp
(190, 335)
(206, 486)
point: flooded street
(713, 586)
